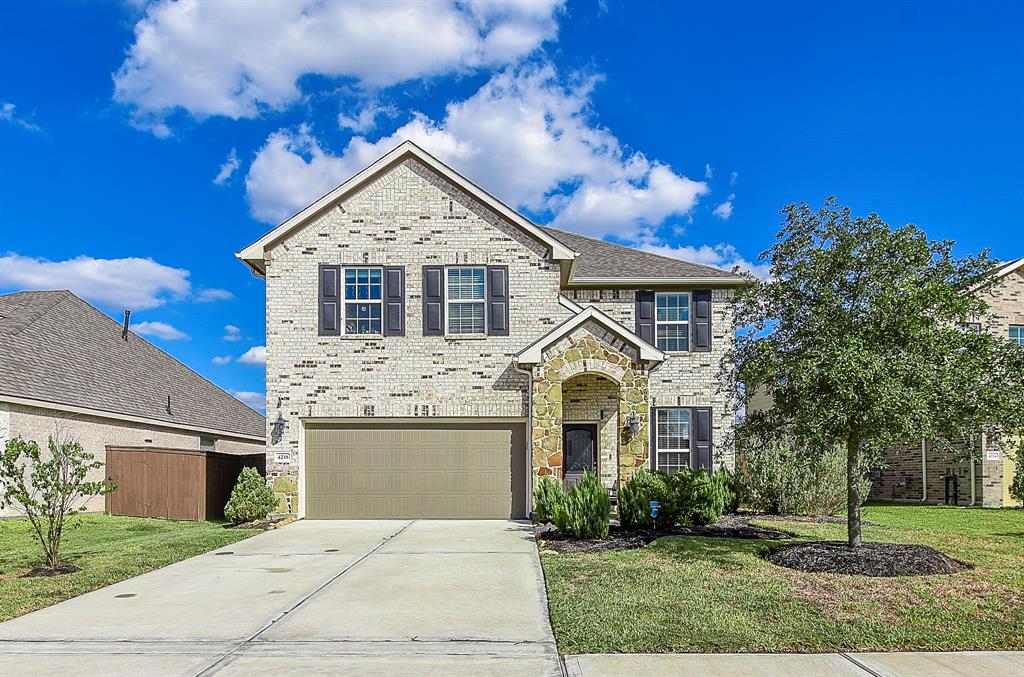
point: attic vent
(124, 329)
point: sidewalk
(923, 664)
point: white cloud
(7, 114)
(253, 399)
(256, 355)
(160, 330)
(228, 169)
(721, 255)
(221, 359)
(237, 59)
(724, 210)
(365, 118)
(133, 283)
(564, 163)
(211, 294)
(733, 177)
(709, 171)
(232, 333)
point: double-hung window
(672, 439)
(466, 300)
(672, 321)
(1017, 334)
(362, 300)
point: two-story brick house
(431, 352)
(923, 472)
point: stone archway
(582, 352)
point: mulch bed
(730, 526)
(46, 572)
(263, 525)
(870, 559)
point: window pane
(1017, 334)
(465, 284)
(673, 307)
(673, 429)
(465, 318)
(362, 284)
(362, 318)
(674, 337)
(673, 461)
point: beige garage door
(416, 470)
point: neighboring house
(431, 352)
(68, 369)
(920, 472)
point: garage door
(416, 470)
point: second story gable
(1005, 314)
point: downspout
(924, 471)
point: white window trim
(688, 450)
(448, 301)
(689, 302)
(1012, 338)
(345, 301)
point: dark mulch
(870, 559)
(45, 572)
(730, 526)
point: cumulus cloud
(232, 333)
(228, 169)
(211, 294)
(221, 359)
(724, 210)
(527, 118)
(256, 400)
(721, 255)
(160, 330)
(256, 355)
(7, 114)
(133, 283)
(365, 118)
(237, 59)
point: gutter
(656, 281)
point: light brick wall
(95, 433)
(685, 379)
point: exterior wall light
(633, 423)
(277, 431)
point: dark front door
(580, 444)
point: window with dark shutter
(497, 300)
(329, 323)
(645, 315)
(700, 321)
(394, 301)
(433, 300)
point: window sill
(465, 337)
(362, 337)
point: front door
(580, 443)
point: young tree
(858, 337)
(54, 490)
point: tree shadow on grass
(731, 554)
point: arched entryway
(590, 427)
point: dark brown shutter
(645, 315)
(497, 300)
(329, 301)
(700, 434)
(652, 439)
(700, 321)
(394, 301)
(433, 300)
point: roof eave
(730, 281)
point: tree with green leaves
(858, 337)
(49, 489)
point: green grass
(107, 549)
(683, 594)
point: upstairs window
(362, 301)
(971, 327)
(672, 321)
(1017, 334)
(672, 443)
(466, 300)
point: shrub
(547, 496)
(697, 497)
(1017, 486)
(635, 498)
(586, 509)
(730, 487)
(54, 491)
(780, 477)
(251, 499)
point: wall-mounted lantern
(277, 431)
(633, 424)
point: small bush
(731, 489)
(635, 501)
(251, 499)
(547, 496)
(1017, 486)
(586, 509)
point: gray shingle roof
(607, 260)
(56, 347)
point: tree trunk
(853, 491)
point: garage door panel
(415, 471)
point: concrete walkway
(374, 597)
(909, 664)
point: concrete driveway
(375, 597)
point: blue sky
(144, 143)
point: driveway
(373, 597)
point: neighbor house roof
(606, 262)
(57, 349)
(253, 255)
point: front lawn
(107, 549)
(688, 593)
